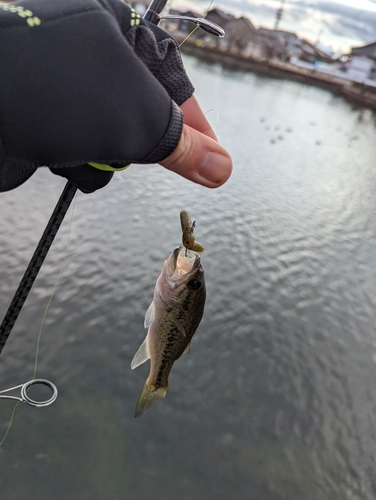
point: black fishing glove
(86, 87)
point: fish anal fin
(147, 397)
(188, 349)
(141, 355)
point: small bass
(172, 319)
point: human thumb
(200, 159)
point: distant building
(219, 17)
(368, 51)
(240, 33)
(310, 53)
(282, 44)
(365, 58)
(361, 64)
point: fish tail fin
(147, 397)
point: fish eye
(194, 284)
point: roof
(224, 15)
(271, 32)
(366, 50)
(312, 49)
(243, 20)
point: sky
(339, 24)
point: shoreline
(354, 92)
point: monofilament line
(45, 314)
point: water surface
(277, 399)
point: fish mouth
(183, 261)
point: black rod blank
(36, 262)
(153, 12)
(153, 15)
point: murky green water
(277, 399)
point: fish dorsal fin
(187, 349)
(141, 355)
(180, 326)
(149, 315)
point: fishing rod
(53, 225)
(153, 15)
(154, 10)
(36, 262)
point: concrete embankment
(358, 93)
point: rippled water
(277, 399)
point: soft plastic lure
(188, 228)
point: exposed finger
(200, 159)
(195, 118)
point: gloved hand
(85, 81)
(87, 178)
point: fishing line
(217, 116)
(155, 16)
(196, 27)
(188, 36)
(198, 206)
(62, 265)
(10, 423)
(55, 287)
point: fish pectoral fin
(188, 349)
(149, 315)
(147, 397)
(141, 355)
(180, 327)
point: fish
(172, 318)
(188, 235)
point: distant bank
(357, 93)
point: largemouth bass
(172, 319)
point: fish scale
(170, 353)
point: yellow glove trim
(107, 168)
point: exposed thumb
(200, 159)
